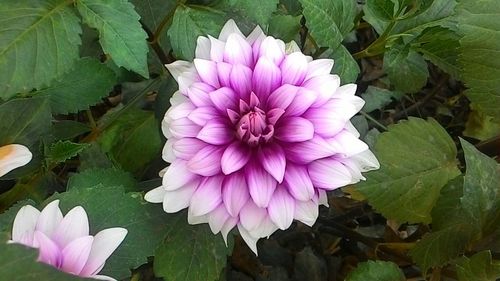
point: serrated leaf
(110, 207)
(260, 13)
(93, 157)
(153, 12)
(376, 98)
(329, 21)
(68, 129)
(285, 27)
(189, 23)
(63, 150)
(39, 42)
(448, 210)
(120, 32)
(381, 9)
(106, 177)
(345, 65)
(85, 85)
(19, 127)
(479, 267)
(417, 159)
(190, 252)
(478, 22)
(376, 271)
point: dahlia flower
(13, 156)
(257, 133)
(64, 242)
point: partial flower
(64, 241)
(257, 134)
(13, 156)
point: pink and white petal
(327, 123)
(217, 218)
(187, 79)
(302, 102)
(223, 99)
(217, 49)
(238, 51)
(201, 115)
(177, 175)
(249, 239)
(272, 157)
(76, 254)
(192, 219)
(203, 47)
(306, 211)
(294, 69)
(167, 153)
(49, 218)
(308, 151)
(207, 196)
(178, 67)
(345, 91)
(105, 243)
(240, 80)
(103, 277)
(207, 161)
(226, 228)
(298, 182)
(294, 129)
(74, 225)
(351, 129)
(329, 174)
(24, 225)
(178, 199)
(216, 132)
(207, 70)
(281, 208)
(346, 144)
(353, 169)
(186, 148)
(323, 198)
(235, 156)
(261, 184)
(272, 49)
(198, 94)
(266, 77)
(256, 34)
(180, 111)
(49, 252)
(229, 28)
(184, 128)
(282, 97)
(235, 193)
(155, 195)
(366, 161)
(224, 72)
(319, 67)
(13, 156)
(324, 85)
(265, 229)
(251, 216)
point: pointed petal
(249, 239)
(167, 153)
(346, 91)
(251, 215)
(266, 77)
(323, 198)
(255, 35)
(324, 85)
(301, 102)
(274, 115)
(49, 218)
(308, 151)
(216, 132)
(282, 97)
(217, 49)
(235, 156)
(223, 99)
(306, 212)
(229, 28)
(207, 161)
(240, 80)
(207, 197)
(155, 195)
(226, 228)
(103, 277)
(294, 69)
(329, 174)
(265, 229)
(272, 49)
(184, 128)
(235, 193)
(327, 123)
(49, 252)
(281, 208)
(294, 129)
(346, 144)
(76, 254)
(178, 199)
(13, 156)
(273, 160)
(178, 67)
(298, 182)
(25, 223)
(202, 50)
(201, 115)
(319, 67)
(75, 224)
(198, 94)
(238, 51)
(260, 184)
(180, 111)
(192, 219)
(177, 175)
(366, 161)
(217, 218)
(186, 148)
(208, 71)
(223, 72)
(105, 243)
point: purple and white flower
(13, 156)
(64, 241)
(257, 133)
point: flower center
(253, 127)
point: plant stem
(367, 116)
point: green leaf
(480, 126)
(345, 65)
(111, 207)
(39, 42)
(19, 127)
(63, 150)
(417, 159)
(284, 27)
(68, 129)
(153, 12)
(18, 262)
(479, 267)
(133, 139)
(189, 23)
(106, 177)
(85, 85)
(260, 13)
(329, 21)
(381, 9)
(93, 157)
(448, 210)
(120, 33)
(478, 22)
(376, 271)
(190, 252)
(376, 98)
(406, 69)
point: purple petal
(241, 80)
(208, 71)
(177, 175)
(238, 51)
(223, 72)
(325, 122)
(260, 184)
(201, 115)
(105, 243)
(274, 115)
(308, 151)
(266, 77)
(302, 101)
(180, 111)
(298, 182)
(76, 254)
(319, 67)
(329, 174)
(198, 94)
(184, 128)
(49, 218)
(223, 99)
(294, 69)
(281, 208)
(217, 218)
(235, 193)
(294, 129)
(207, 197)
(49, 252)
(186, 148)
(24, 224)
(251, 215)
(272, 49)
(207, 161)
(273, 160)
(74, 225)
(234, 158)
(282, 97)
(178, 199)
(216, 132)
(324, 85)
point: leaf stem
(368, 116)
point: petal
(235, 156)
(346, 144)
(155, 195)
(167, 153)
(260, 184)
(217, 49)
(216, 132)
(186, 148)
(184, 128)
(177, 175)
(294, 129)
(298, 182)
(273, 160)
(251, 215)
(73, 226)
(249, 239)
(308, 151)
(327, 123)
(202, 48)
(323, 198)
(49, 218)
(103, 277)
(49, 252)
(346, 91)
(238, 51)
(240, 80)
(272, 49)
(319, 67)
(198, 94)
(294, 69)
(256, 34)
(265, 228)
(24, 224)
(76, 254)
(207, 197)
(282, 97)
(329, 174)
(105, 243)
(224, 72)
(302, 101)
(226, 228)
(201, 115)
(235, 193)
(192, 219)
(266, 77)
(366, 161)
(187, 79)
(180, 111)
(217, 218)
(306, 212)
(208, 71)
(178, 199)
(178, 67)
(223, 99)
(207, 161)
(281, 208)
(229, 28)
(324, 85)
(13, 156)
